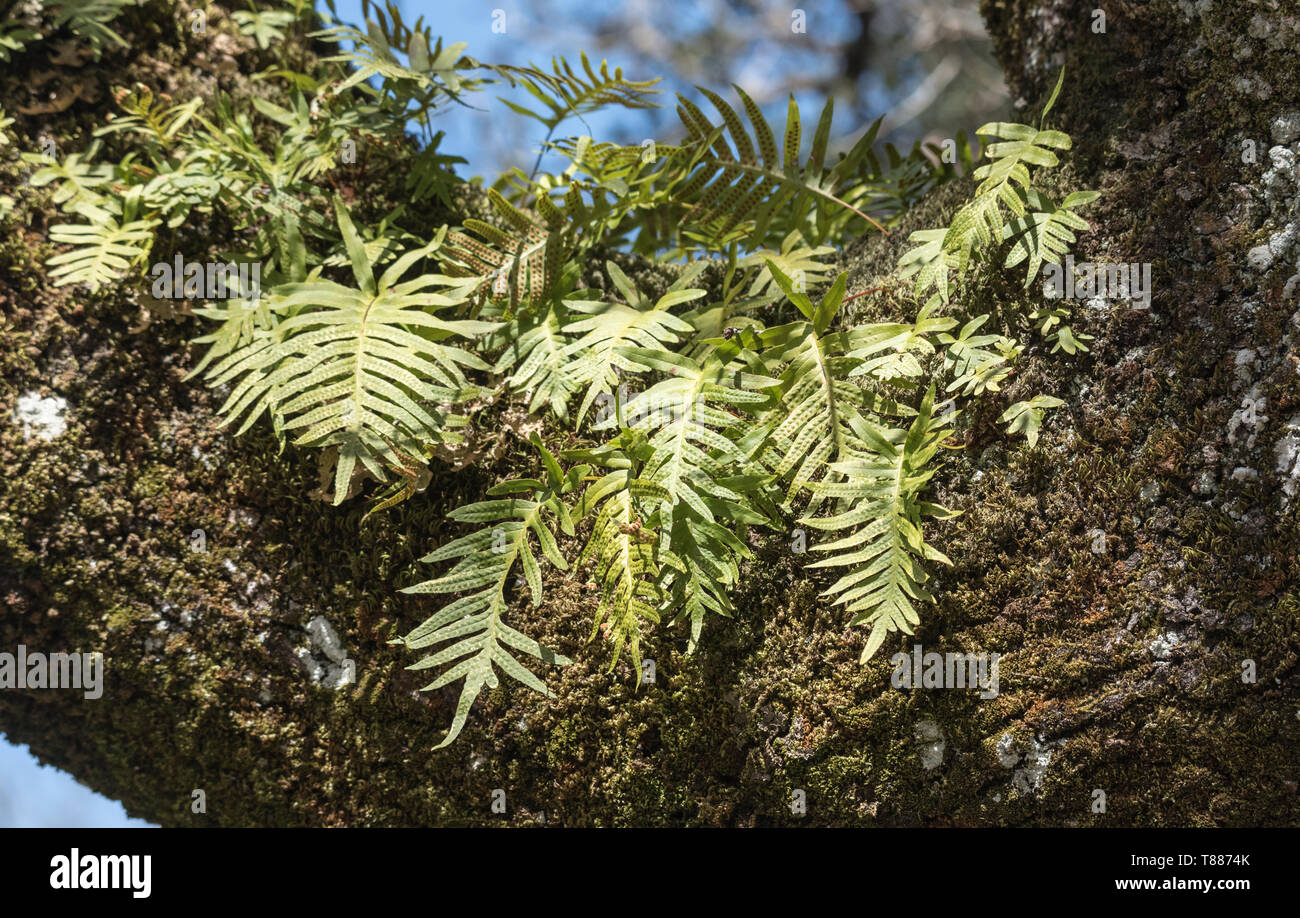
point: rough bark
(1121, 670)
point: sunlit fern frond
(153, 118)
(477, 641)
(730, 178)
(566, 92)
(594, 359)
(621, 549)
(534, 355)
(362, 368)
(974, 368)
(519, 265)
(81, 183)
(430, 69)
(812, 423)
(1045, 232)
(103, 252)
(881, 539)
(707, 481)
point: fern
(472, 628)
(265, 26)
(739, 395)
(595, 358)
(104, 252)
(885, 545)
(536, 353)
(1039, 228)
(518, 265)
(90, 18)
(360, 368)
(1027, 417)
(729, 177)
(622, 552)
(707, 483)
(1044, 233)
(79, 183)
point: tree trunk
(1155, 663)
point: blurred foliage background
(926, 65)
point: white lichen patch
(1286, 452)
(1008, 756)
(1028, 779)
(325, 660)
(1248, 419)
(1162, 648)
(1286, 127)
(42, 418)
(932, 744)
(1030, 763)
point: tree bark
(1160, 670)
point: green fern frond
(14, 38)
(80, 181)
(432, 68)
(881, 539)
(1040, 230)
(594, 358)
(1044, 233)
(363, 368)
(564, 92)
(729, 178)
(518, 265)
(265, 26)
(535, 352)
(973, 367)
(1027, 417)
(622, 551)
(90, 18)
(104, 252)
(472, 627)
(708, 483)
(812, 424)
(156, 119)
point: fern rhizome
(737, 398)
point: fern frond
(265, 26)
(90, 18)
(1027, 417)
(472, 627)
(154, 118)
(1044, 233)
(622, 552)
(535, 352)
(729, 177)
(103, 252)
(594, 358)
(363, 368)
(812, 425)
(881, 539)
(707, 482)
(79, 182)
(564, 92)
(518, 265)
(432, 68)
(973, 367)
